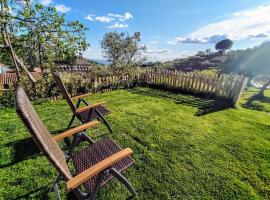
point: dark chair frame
(77, 193)
(76, 109)
(92, 109)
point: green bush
(76, 83)
(7, 99)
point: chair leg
(76, 194)
(77, 139)
(97, 188)
(56, 191)
(75, 142)
(84, 137)
(55, 188)
(85, 102)
(104, 120)
(67, 141)
(123, 180)
(71, 121)
(55, 182)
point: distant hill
(82, 61)
(201, 61)
(100, 61)
(252, 61)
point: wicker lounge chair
(95, 165)
(84, 114)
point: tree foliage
(122, 50)
(40, 35)
(251, 62)
(224, 45)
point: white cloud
(170, 42)
(118, 25)
(90, 17)
(23, 3)
(153, 42)
(246, 24)
(46, 2)
(154, 55)
(62, 8)
(120, 17)
(157, 51)
(104, 19)
(93, 53)
(161, 55)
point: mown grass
(221, 154)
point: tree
(121, 50)
(263, 88)
(250, 62)
(224, 45)
(6, 26)
(39, 36)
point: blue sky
(171, 28)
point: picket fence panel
(226, 86)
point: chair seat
(95, 153)
(90, 115)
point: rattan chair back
(64, 91)
(40, 133)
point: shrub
(7, 99)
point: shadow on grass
(39, 193)
(257, 102)
(205, 105)
(22, 150)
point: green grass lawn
(180, 154)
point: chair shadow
(205, 104)
(42, 194)
(22, 150)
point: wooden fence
(226, 86)
(11, 78)
(74, 69)
(111, 82)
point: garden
(144, 120)
(223, 154)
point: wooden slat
(73, 131)
(90, 106)
(11, 78)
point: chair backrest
(40, 133)
(64, 91)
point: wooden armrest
(97, 168)
(81, 96)
(79, 110)
(73, 131)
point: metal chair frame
(78, 194)
(59, 159)
(73, 107)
